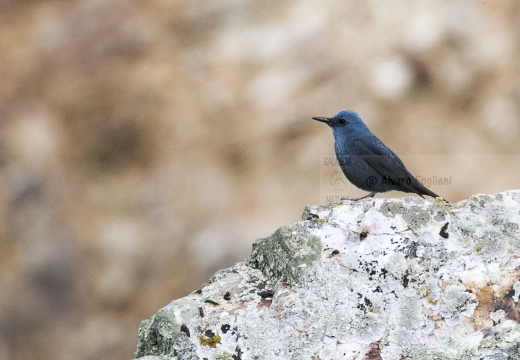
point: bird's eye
(342, 121)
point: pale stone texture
(374, 279)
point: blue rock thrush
(366, 161)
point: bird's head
(344, 122)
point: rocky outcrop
(374, 279)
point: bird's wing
(379, 157)
(385, 162)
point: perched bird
(366, 161)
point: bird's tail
(422, 190)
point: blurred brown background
(146, 144)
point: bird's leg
(372, 194)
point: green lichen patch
(210, 341)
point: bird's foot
(372, 194)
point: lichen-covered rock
(373, 279)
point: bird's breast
(344, 160)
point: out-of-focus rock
(144, 138)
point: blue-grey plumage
(366, 162)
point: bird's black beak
(322, 119)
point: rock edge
(373, 279)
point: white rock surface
(374, 279)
